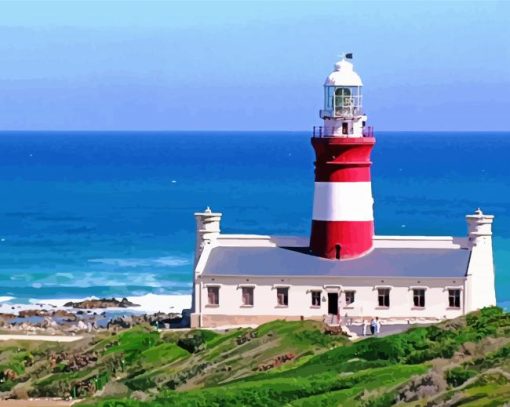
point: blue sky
(142, 65)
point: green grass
(221, 369)
(133, 342)
(162, 354)
(378, 379)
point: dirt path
(47, 338)
(37, 403)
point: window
(384, 297)
(454, 298)
(342, 97)
(316, 298)
(247, 295)
(213, 295)
(419, 297)
(282, 296)
(349, 297)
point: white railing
(347, 112)
(320, 131)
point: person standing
(365, 327)
(377, 326)
(372, 326)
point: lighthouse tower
(343, 220)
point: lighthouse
(342, 220)
(341, 272)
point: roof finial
(207, 210)
(344, 55)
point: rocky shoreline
(86, 316)
(101, 303)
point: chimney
(208, 229)
(479, 228)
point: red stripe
(340, 159)
(354, 238)
(334, 173)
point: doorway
(333, 303)
(345, 128)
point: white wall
(480, 287)
(366, 304)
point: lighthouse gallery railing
(322, 131)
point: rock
(114, 389)
(64, 314)
(9, 374)
(140, 396)
(278, 361)
(32, 313)
(122, 322)
(101, 303)
(5, 395)
(20, 392)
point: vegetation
(460, 362)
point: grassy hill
(460, 362)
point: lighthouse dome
(343, 75)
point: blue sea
(111, 214)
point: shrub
(385, 400)
(193, 343)
(458, 375)
(6, 385)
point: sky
(144, 65)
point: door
(333, 303)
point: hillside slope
(460, 362)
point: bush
(6, 385)
(386, 400)
(458, 375)
(192, 343)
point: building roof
(380, 262)
(343, 75)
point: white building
(342, 272)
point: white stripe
(343, 201)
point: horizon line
(231, 131)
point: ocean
(111, 213)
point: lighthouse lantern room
(343, 101)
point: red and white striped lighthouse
(343, 220)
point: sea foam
(149, 303)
